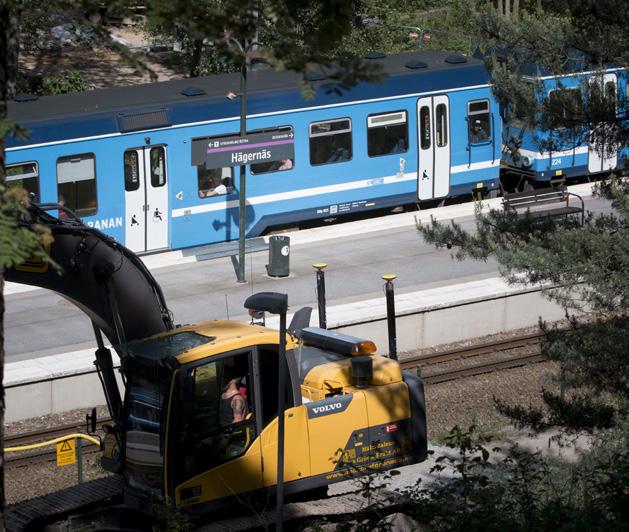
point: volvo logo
(331, 405)
(327, 408)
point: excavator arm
(101, 277)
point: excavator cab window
(147, 385)
(147, 367)
(216, 418)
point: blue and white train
(131, 161)
(542, 156)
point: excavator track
(33, 514)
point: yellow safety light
(364, 347)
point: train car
(538, 155)
(133, 161)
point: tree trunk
(9, 49)
(195, 59)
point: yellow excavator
(196, 424)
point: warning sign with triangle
(66, 453)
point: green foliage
(64, 83)
(18, 244)
(553, 37)
(170, 518)
(221, 35)
(520, 491)
(579, 413)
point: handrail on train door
(469, 144)
(493, 140)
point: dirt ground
(105, 66)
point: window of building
(331, 141)
(424, 127)
(387, 134)
(25, 175)
(441, 121)
(280, 165)
(76, 183)
(214, 181)
(479, 128)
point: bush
(524, 491)
(64, 83)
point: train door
(602, 157)
(146, 198)
(433, 122)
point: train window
(25, 175)
(441, 120)
(331, 141)
(387, 134)
(158, 166)
(424, 125)
(215, 181)
(286, 163)
(76, 183)
(131, 171)
(564, 103)
(479, 129)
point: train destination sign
(253, 148)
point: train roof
(165, 104)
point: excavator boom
(96, 273)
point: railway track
(26, 458)
(519, 342)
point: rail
(518, 342)
(38, 441)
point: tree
(586, 268)
(287, 35)
(556, 37)
(16, 244)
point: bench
(535, 202)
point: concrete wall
(461, 322)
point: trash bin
(279, 256)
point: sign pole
(242, 194)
